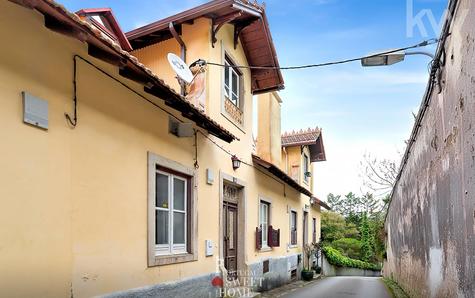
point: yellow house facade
(135, 192)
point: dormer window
(232, 78)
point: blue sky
(360, 109)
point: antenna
(181, 69)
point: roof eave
(60, 20)
(275, 171)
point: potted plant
(317, 252)
(307, 273)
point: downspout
(286, 160)
(175, 34)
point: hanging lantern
(236, 162)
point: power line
(419, 45)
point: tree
(352, 206)
(348, 247)
(334, 227)
(379, 175)
(367, 241)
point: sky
(360, 110)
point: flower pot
(318, 270)
(307, 275)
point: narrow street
(343, 286)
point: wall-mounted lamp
(312, 201)
(236, 162)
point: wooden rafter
(217, 23)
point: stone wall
(199, 286)
(430, 224)
(279, 271)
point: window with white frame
(172, 218)
(264, 211)
(171, 196)
(293, 227)
(232, 79)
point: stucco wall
(430, 224)
(74, 201)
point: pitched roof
(105, 21)
(321, 203)
(251, 27)
(60, 20)
(311, 137)
(277, 172)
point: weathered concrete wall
(430, 224)
(279, 271)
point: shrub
(348, 247)
(335, 258)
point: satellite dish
(180, 68)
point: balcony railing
(233, 111)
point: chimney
(269, 144)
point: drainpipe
(175, 34)
(286, 160)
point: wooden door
(230, 220)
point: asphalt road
(343, 287)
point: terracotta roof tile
(301, 137)
(87, 33)
(311, 137)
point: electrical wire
(419, 45)
(435, 70)
(75, 119)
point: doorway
(230, 238)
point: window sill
(291, 246)
(265, 249)
(172, 259)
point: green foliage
(365, 213)
(334, 227)
(348, 247)
(335, 258)
(367, 241)
(394, 288)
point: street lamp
(385, 58)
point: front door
(230, 220)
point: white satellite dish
(180, 68)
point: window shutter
(273, 237)
(258, 238)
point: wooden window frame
(173, 248)
(265, 232)
(232, 70)
(189, 252)
(233, 112)
(291, 228)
